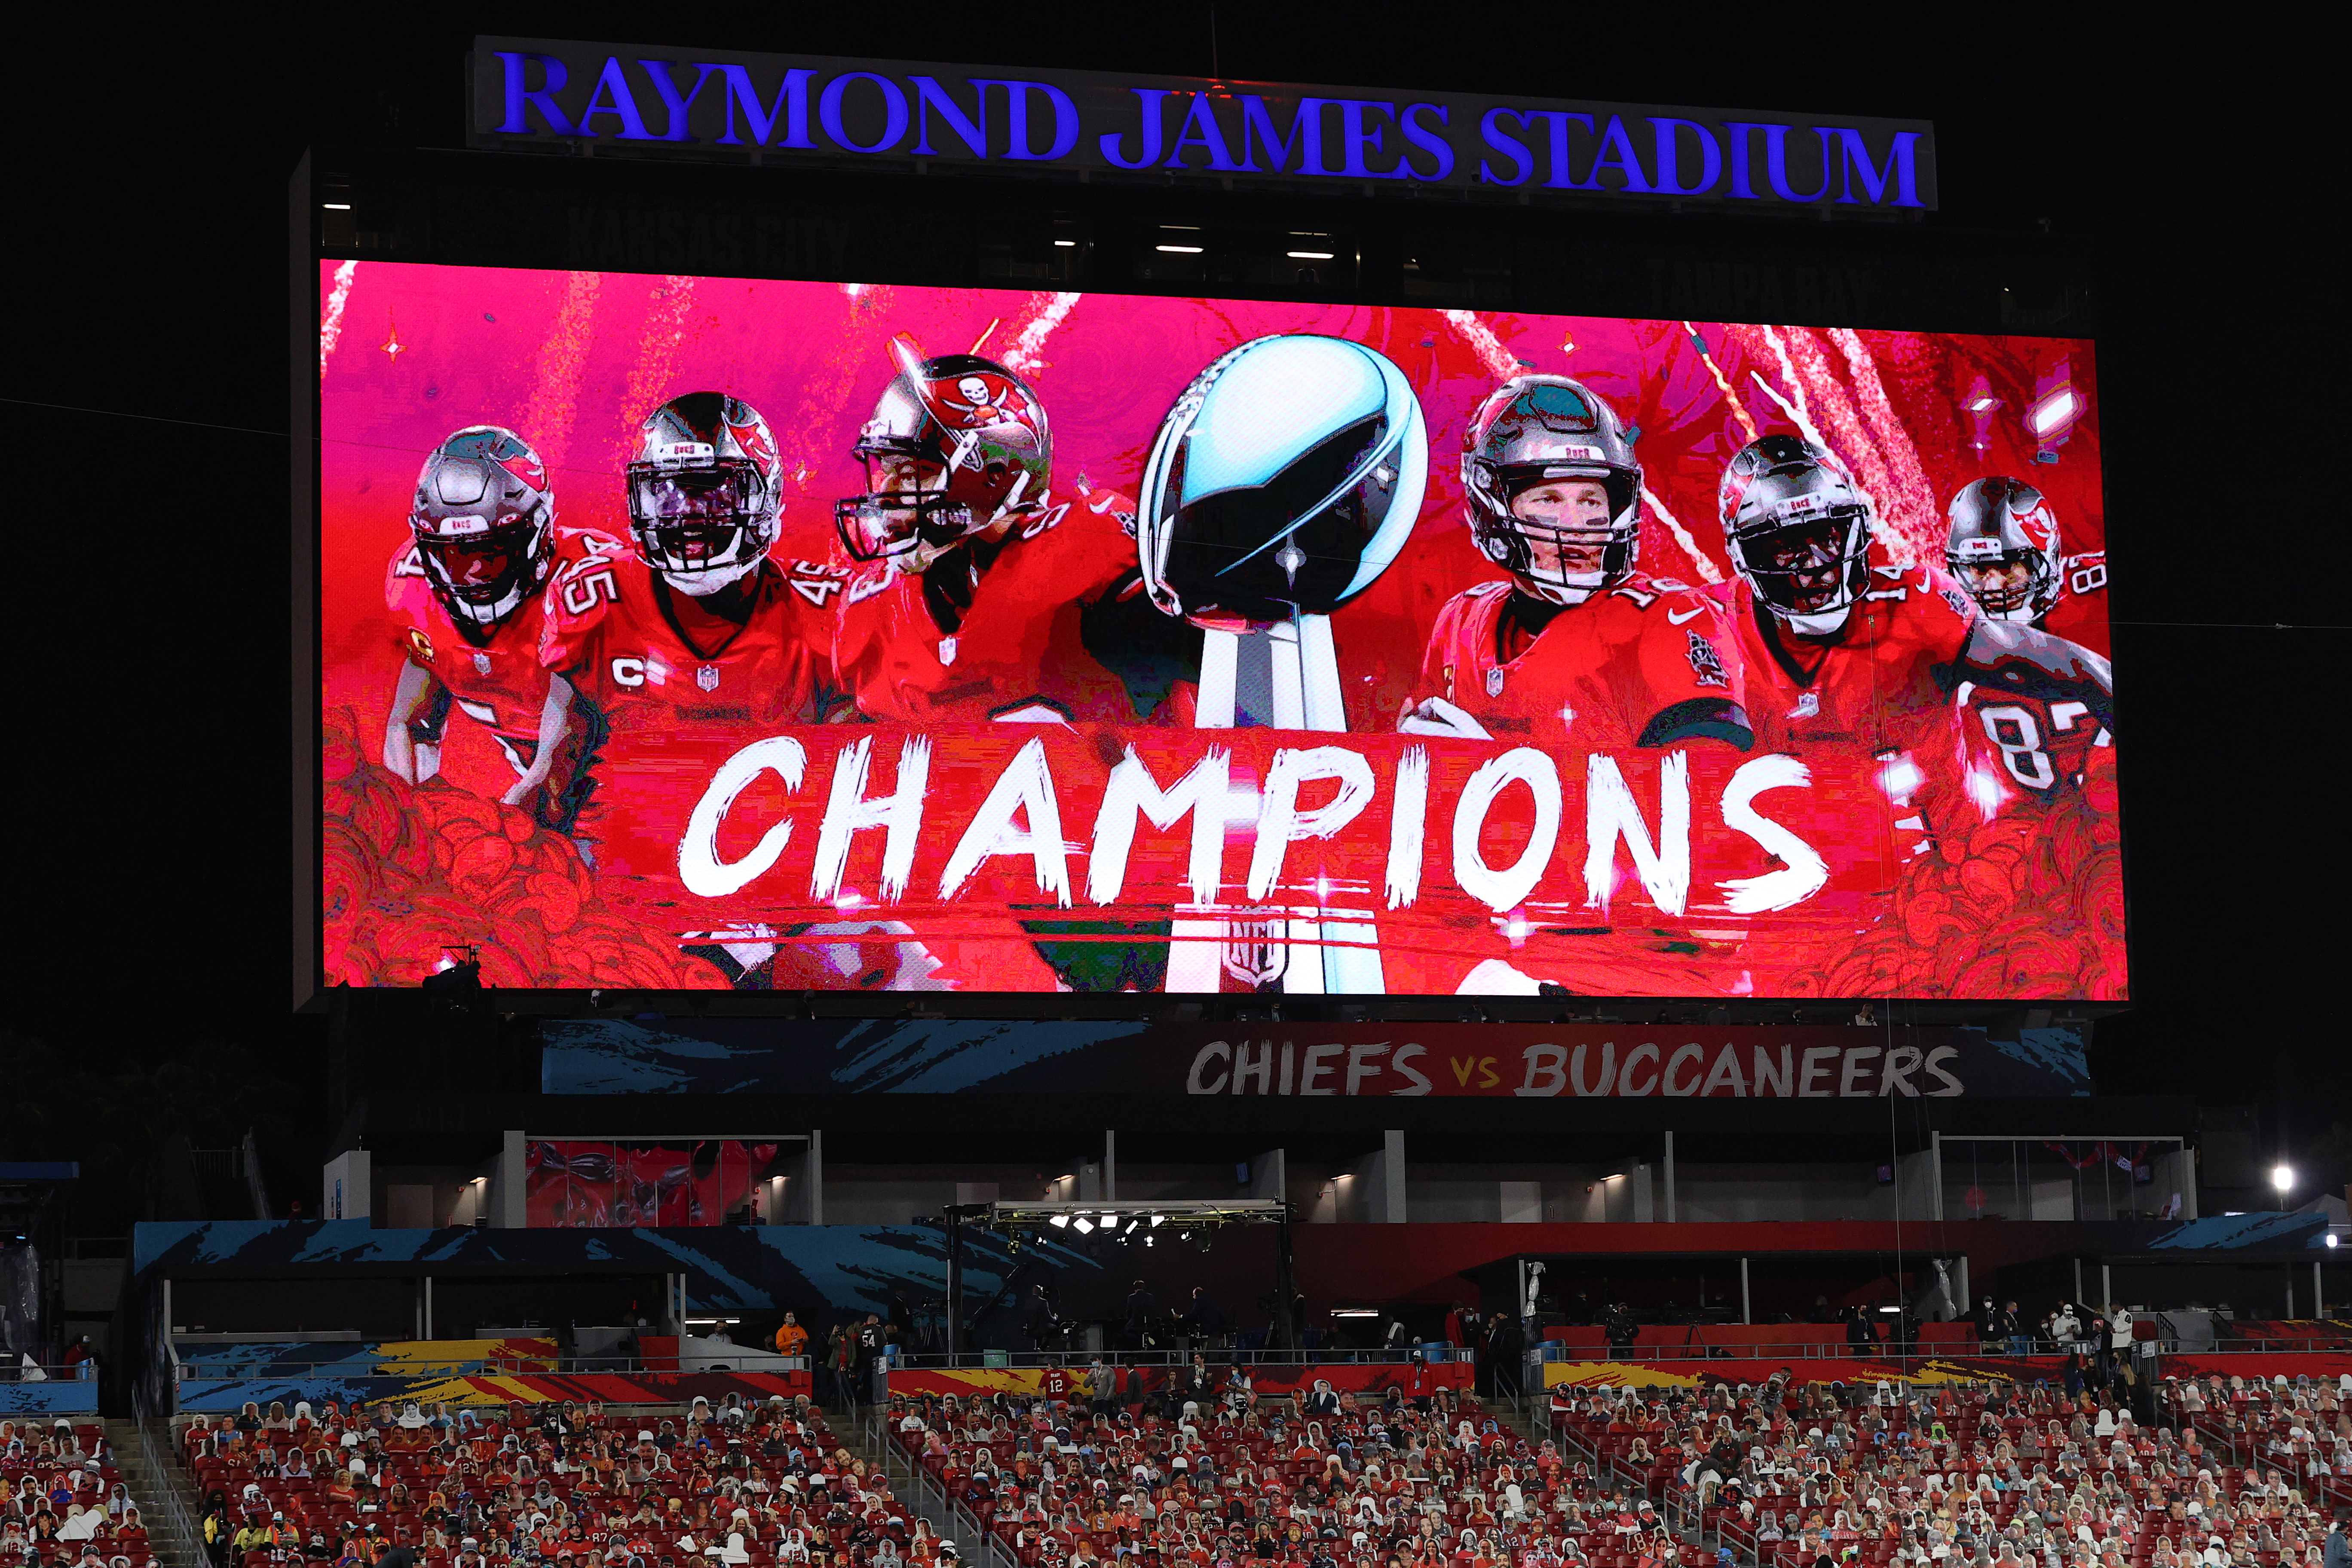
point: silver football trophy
(1281, 485)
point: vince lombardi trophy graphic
(1281, 485)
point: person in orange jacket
(791, 1338)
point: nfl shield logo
(707, 678)
(481, 663)
(946, 650)
(1494, 682)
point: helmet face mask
(483, 518)
(1797, 530)
(1552, 488)
(2002, 545)
(702, 491)
(956, 445)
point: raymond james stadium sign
(784, 111)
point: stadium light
(1060, 1220)
(2283, 1177)
(2334, 1239)
(1086, 1227)
(1158, 1219)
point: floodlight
(1059, 1220)
(2283, 1177)
(1086, 1227)
(1158, 1218)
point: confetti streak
(1738, 409)
(648, 384)
(1899, 523)
(1500, 363)
(330, 324)
(1682, 535)
(1049, 311)
(547, 417)
(1913, 499)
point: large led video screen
(686, 632)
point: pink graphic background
(575, 361)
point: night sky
(148, 246)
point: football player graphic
(2003, 543)
(1576, 651)
(1846, 647)
(467, 589)
(1576, 646)
(981, 594)
(697, 624)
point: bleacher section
(741, 1485)
(66, 1501)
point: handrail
(223, 1366)
(179, 1521)
(981, 1543)
(977, 1360)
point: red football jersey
(646, 656)
(1884, 688)
(2080, 615)
(2019, 743)
(1645, 663)
(1017, 645)
(495, 676)
(1884, 683)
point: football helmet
(1283, 481)
(484, 521)
(955, 445)
(1531, 431)
(703, 490)
(2004, 547)
(1798, 529)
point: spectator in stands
(841, 1360)
(791, 1338)
(1210, 1325)
(1861, 1333)
(1868, 1017)
(2021, 1343)
(2340, 1541)
(1139, 1306)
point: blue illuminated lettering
(790, 106)
(1617, 152)
(1669, 146)
(1201, 129)
(1490, 130)
(1556, 120)
(1258, 125)
(1361, 140)
(667, 85)
(894, 104)
(1775, 162)
(613, 97)
(1153, 98)
(1898, 170)
(521, 100)
(1430, 142)
(929, 95)
(1016, 119)
(1737, 131)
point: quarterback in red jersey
(1577, 648)
(2003, 544)
(698, 626)
(980, 596)
(1845, 646)
(467, 589)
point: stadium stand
(734, 1484)
(63, 1499)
